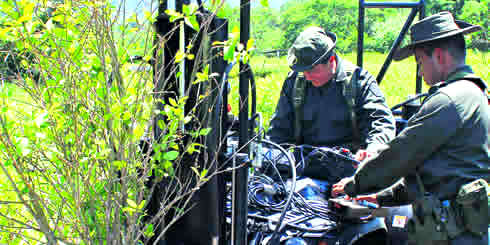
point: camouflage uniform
(326, 119)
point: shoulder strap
(298, 103)
(349, 90)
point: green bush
(71, 167)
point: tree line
(277, 28)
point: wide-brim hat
(434, 27)
(311, 46)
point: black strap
(298, 104)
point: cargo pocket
(472, 199)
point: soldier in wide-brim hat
(435, 27)
(442, 156)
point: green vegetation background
(397, 84)
(276, 29)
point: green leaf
(230, 50)
(196, 171)
(250, 44)
(23, 19)
(189, 9)
(179, 56)
(161, 124)
(173, 102)
(204, 172)
(264, 3)
(132, 204)
(192, 22)
(119, 164)
(171, 155)
(141, 205)
(149, 231)
(174, 15)
(204, 131)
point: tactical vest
(349, 91)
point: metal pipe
(396, 44)
(360, 33)
(179, 5)
(418, 79)
(392, 4)
(240, 195)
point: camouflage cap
(310, 47)
(434, 27)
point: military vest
(349, 91)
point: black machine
(263, 198)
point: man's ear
(332, 63)
(442, 56)
(444, 59)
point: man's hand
(362, 155)
(368, 198)
(338, 188)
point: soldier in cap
(440, 161)
(328, 101)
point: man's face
(428, 67)
(319, 75)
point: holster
(472, 201)
(436, 222)
(427, 223)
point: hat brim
(407, 51)
(298, 68)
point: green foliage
(71, 167)
(274, 29)
(266, 28)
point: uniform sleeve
(281, 129)
(376, 122)
(398, 194)
(427, 130)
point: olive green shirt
(445, 142)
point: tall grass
(397, 84)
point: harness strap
(298, 103)
(349, 90)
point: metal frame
(417, 7)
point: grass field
(398, 82)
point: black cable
(301, 228)
(275, 236)
(267, 194)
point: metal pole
(360, 33)
(391, 5)
(395, 45)
(240, 194)
(418, 79)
